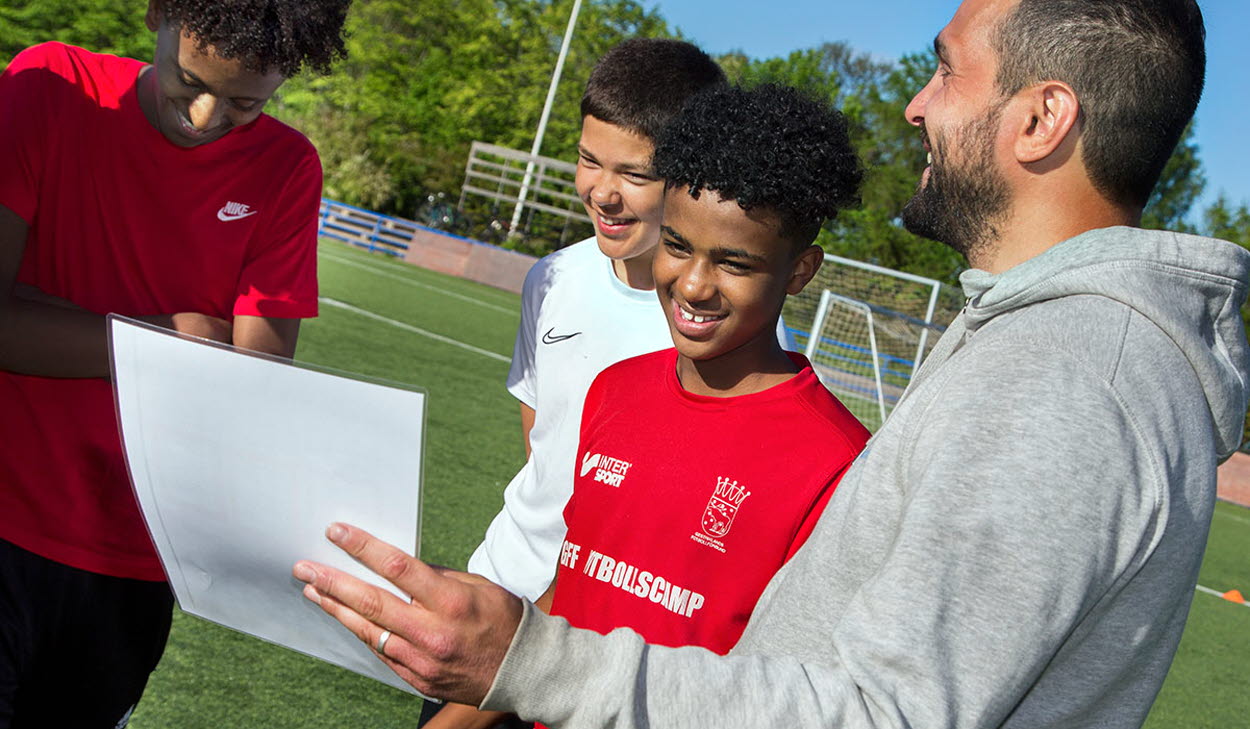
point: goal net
(866, 329)
(843, 352)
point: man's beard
(962, 203)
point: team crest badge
(721, 509)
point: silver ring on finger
(381, 645)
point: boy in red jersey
(702, 469)
(161, 192)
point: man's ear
(152, 18)
(804, 269)
(1048, 114)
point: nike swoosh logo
(225, 217)
(550, 338)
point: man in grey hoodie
(1019, 544)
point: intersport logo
(608, 470)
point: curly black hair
(282, 35)
(769, 147)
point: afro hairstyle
(282, 35)
(770, 147)
(641, 84)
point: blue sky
(889, 28)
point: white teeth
(612, 221)
(930, 158)
(693, 317)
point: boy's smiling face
(622, 196)
(194, 96)
(722, 274)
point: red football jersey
(685, 506)
(121, 220)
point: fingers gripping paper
(240, 461)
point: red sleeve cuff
(276, 308)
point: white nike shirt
(577, 318)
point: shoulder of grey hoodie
(1058, 441)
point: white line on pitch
(415, 330)
(410, 282)
(1234, 517)
(1219, 594)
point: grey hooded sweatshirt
(1018, 545)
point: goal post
(839, 362)
(867, 329)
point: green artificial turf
(1208, 686)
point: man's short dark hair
(1137, 67)
(281, 35)
(641, 84)
(770, 148)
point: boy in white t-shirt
(592, 304)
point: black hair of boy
(770, 147)
(641, 84)
(280, 35)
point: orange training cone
(1233, 596)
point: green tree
(804, 69)
(422, 81)
(873, 95)
(108, 26)
(382, 110)
(893, 158)
(1222, 220)
(1179, 186)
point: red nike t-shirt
(685, 506)
(121, 220)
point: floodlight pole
(542, 122)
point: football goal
(866, 329)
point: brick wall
(455, 256)
(1234, 479)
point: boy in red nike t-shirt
(702, 469)
(159, 191)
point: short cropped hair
(281, 35)
(1137, 67)
(641, 84)
(770, 147)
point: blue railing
(372, 230)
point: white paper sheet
(240, 461)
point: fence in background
(366, 229)
(423, 246)
(498, 173)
